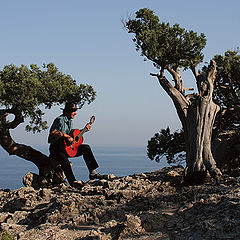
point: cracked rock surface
(147, 206)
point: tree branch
(18, 118)
(194, 71)
(188, 89)
(179, 100)
(177, 77)
(205, 82)
(211, 77)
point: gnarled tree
(226, 131)
(171, 49)
(226, 144)
(24, 93)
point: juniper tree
(172, 49)
(226, 134)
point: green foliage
(4, 235)
(166, 144)
(226, 95)
(25, 89)
(227, 91)
(169, 47)
(165, 45)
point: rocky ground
(147, 206)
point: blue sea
(120, 161)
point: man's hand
(88, 126)
(69, 139)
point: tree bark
(197, 114)
(199, 123)
(50, 173)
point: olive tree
(24, 93)
(171, 49)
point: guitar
(77, 135)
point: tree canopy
(172, 48)
(226, 95)
(165, 45)
(227, 91)
(23, 90)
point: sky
(87, 40)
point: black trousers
(62, 158)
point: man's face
(71, 115)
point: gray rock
(152, 205)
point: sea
(120, 161)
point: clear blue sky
(86, 39)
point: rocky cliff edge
(150, 206)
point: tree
(170, 145)
(227, 91)
(226, 136)
(24, 92)
(172, 49)
(226, 144)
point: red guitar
(77, 135)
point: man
(60, 131)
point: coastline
(151, 205)
(120, 161)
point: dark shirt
(61, 123)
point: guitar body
(77, 135)
(71, 149)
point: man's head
(70, 110)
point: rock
(173, 173)
(153, 205)
(3, 216)
(31, 180)
(14, 205)
(133, 225)
(110, 176)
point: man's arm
(55, 134)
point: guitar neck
(84, 130)
(92, 119)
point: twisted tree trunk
(50, 173)
(199, 124)
(197, 114)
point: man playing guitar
(61, 140)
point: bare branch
(154, 74)
(177, 77)
(194, 71)
(177, 97)
(188, 89)
(211, 77)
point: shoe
(96, 175)
(77, 184)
